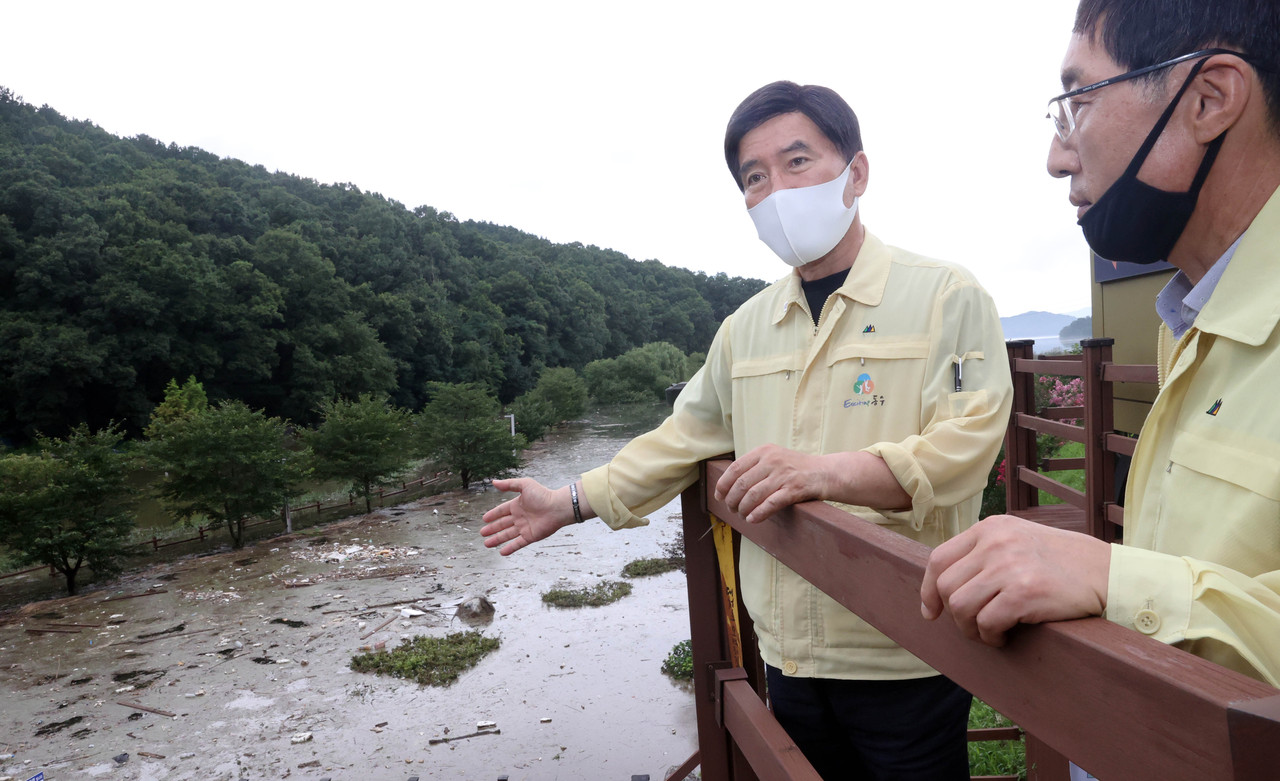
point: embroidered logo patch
(869, 329)
(1217, 405)
(864, 387)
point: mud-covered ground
(219, 667)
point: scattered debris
(475, 609)
(301, 737)
(121, 758)
(435, 741)
(486, 724)
(58, 726)
(156, 711)
(380, 627)
(203, 596)
(170, 631)
(289, 622)
(149, 755)
(147, 593)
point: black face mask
(1135, 222)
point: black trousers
(910, 730)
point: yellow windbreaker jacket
(1200, 564)
(876, 374)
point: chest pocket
(1222, 502)
(878, 373)
(779, 367)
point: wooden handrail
(1117, 702)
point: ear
(1220, 94)
(859, 172)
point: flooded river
(235, 665)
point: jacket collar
(1245, 306)
(865, 284)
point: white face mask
(804, 223)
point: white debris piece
(301, 737)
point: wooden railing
(1117, 703)
(1095, 510)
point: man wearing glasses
(1170, 135)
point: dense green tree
(642, 374)
(127, 262)
(462, 428)
(68, 504)
(366, 441)
(565, 391)
(228, 463)
(534, 415)
(180, 402)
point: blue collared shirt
(1180, 302)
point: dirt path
(249, 651)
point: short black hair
(821, 105)
(1138, 33)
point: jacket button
(1147, 621)
(790, 668)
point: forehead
(779, 134)
(1086, 62)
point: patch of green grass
(431, 661)
(994, 757)
(1069, 477)
(602, 593)
(641, 568)
(679, 663)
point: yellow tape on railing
(723, 535)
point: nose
(1063, 160)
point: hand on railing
(1006, 570)
(769, 478)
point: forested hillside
(125, 263)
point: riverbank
(210, 667)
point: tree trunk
(287, 513)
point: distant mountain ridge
(1029, 325)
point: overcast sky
(596, 122)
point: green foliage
(679, 663)
(180, 402)
(1073, 478)
(68, 504)
(560, 395)
(603, 593)
(994, 758)
(128, 262)
(642, 568)
(228, 463)
(534, 415)
(565, 391)
(431, 661)
(642, 374)
(367, 441)
(462, 428)
(994, 495)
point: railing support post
(1020, 443)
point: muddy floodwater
(235, 665)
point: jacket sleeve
(961, 431)
(1209, 610)
(655, 467)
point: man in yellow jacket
(868, 377)
(1170, 134)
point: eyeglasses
(1062, 112)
